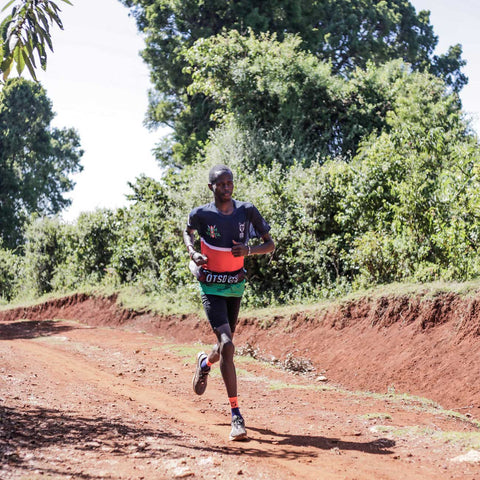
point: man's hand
(239, 249)
(199, 259)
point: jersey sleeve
(258, 225)
(192, 221)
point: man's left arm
(242, 250)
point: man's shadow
(379, 446)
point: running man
(224, 227)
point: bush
(10, 274)
(44, 252)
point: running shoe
(238, 428)
(200, 377)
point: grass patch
(425, 290)
(405, 401)
(376, 416)
(462, 439)
(25, 302)
(185, 351)
(134, 298)
(277, 385)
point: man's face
(223, 187)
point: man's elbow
(271, 245)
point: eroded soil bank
(91, 391)
(423, 346)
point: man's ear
(210, 186)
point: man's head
(220, 182)
(216, 172)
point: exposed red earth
(380, 388)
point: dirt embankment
(91, 391)
(427, 347)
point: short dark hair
(216, 171)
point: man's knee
(227, 349)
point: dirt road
(88, 402)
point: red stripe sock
(234, 404)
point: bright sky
(98, 84)
(457, 22)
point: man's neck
(225, 207)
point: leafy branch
(25, 35)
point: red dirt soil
(90, 390)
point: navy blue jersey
(217, 232)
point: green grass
(185, 351)
(277, 385)
(376, 416)
(25, 302)
(134, 298)
(461, 439)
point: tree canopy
(344, 33)
(35, 158)
(284, 95)
(338, 121)
(25, 34)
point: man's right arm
(189, 239)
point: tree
(271, 87)
(290, 103)
(346, 33)
(409, 204)
(35, 158)
(352, 33)
(26, 31)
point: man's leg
(233, 308)
(217, 313)
(227, 367)
(222, 313)
(214, 355)
(226, 350)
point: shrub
(10, 273)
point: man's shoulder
(245, 205)
(208, 207)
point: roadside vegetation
(362, 161)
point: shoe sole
(238, 438)
(197, 369)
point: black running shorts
(221, 310)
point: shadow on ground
(25, 329)
(24, 434)
(379, 446)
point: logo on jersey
(241, 227)
(212, 231)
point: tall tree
(276, 91)
(25, 34)
(35, 158)
(347, 33)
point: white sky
(458, 22)
(98, 84)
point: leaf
(49, 42)
(6, 67)
(30, 65)
(26, 30)
(18, 57)
(7, 5)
